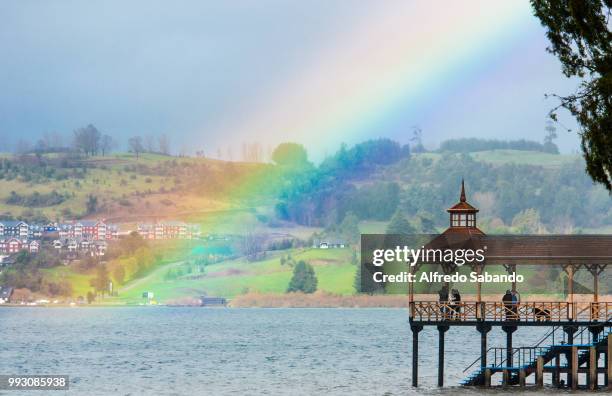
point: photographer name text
(436, 277)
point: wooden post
(540, 371)
(487, 378)
(441, 331)
(595, 284)
(483, 329)
(415, 354)
(478, 269)
(411, 287)
(557, 371)
(509, 330)
(483, 349)
(522, 377)
(506, 377)
(574, 368)
(592, 368)
(570, 286)
(569, 330)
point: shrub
(304, 279)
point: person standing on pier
(443, 294)
(456, 303)
(507, 300)
(516, 299)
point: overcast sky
(217, 74)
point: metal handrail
(552, 332)
(477, 359)
(557, 311)
(528, 355)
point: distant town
(75, 238)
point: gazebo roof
(462, 205)
(531, 249)
(548, 249)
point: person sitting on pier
(507, 300)
(443, 294)
(456, 303)
(542, 314)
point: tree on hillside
(135, 144)
(149, 143)
(417, 140)
(528, 222)
(357, 279)
(119, 274)
(399, 225)
(101, 281)
(292, 154)
(426, 223)
(106, 144)
(91, 204)
(551, 135)
(580, 36)
(91, 297)
(304, 279)
(349, 228)
(87, 139)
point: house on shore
(5, 294)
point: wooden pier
(579, 332)
(582, 332)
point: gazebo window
(463, 220)
(471, 220)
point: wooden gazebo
(570, 252)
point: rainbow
(369, 77)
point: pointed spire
(462, 198)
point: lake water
(197, 351)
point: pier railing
(545, 311)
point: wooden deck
(528, 313)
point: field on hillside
(524, 158)
(499, 157)
(333, 268)
(126, 188)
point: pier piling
(574, 368)
(509, 330)
(592, 368)
(441, 331)
(539, 372)
(415, 354)
(483, 329)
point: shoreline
(315, 300)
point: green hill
(517, 191)
(333, 268)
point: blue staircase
(527, 358)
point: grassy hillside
(126, 187)
(239, 199)
(500, 157)
(333, 268)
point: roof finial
(462, 198)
